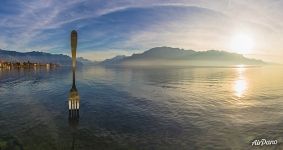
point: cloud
(128, 26)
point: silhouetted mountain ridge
(164, 53)
(176, 56)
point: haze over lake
(143, 108)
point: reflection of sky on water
(138, 106)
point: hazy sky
(110, 27)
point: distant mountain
(36, 57)
(180, 57)
(86, 61)
(114, 60)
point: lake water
(142, 108)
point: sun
(242, 43)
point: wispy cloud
(127, 26)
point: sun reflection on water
(240, 87)
(240, 84)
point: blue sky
(114, 27)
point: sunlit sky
(112, 27)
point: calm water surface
(142, 108)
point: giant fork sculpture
(74, 99)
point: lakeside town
(25, 65)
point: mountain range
(36, 57)
(167, 56)
(158, 56)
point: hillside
(180, 57)
(36, 57)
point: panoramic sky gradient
(113, 27)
